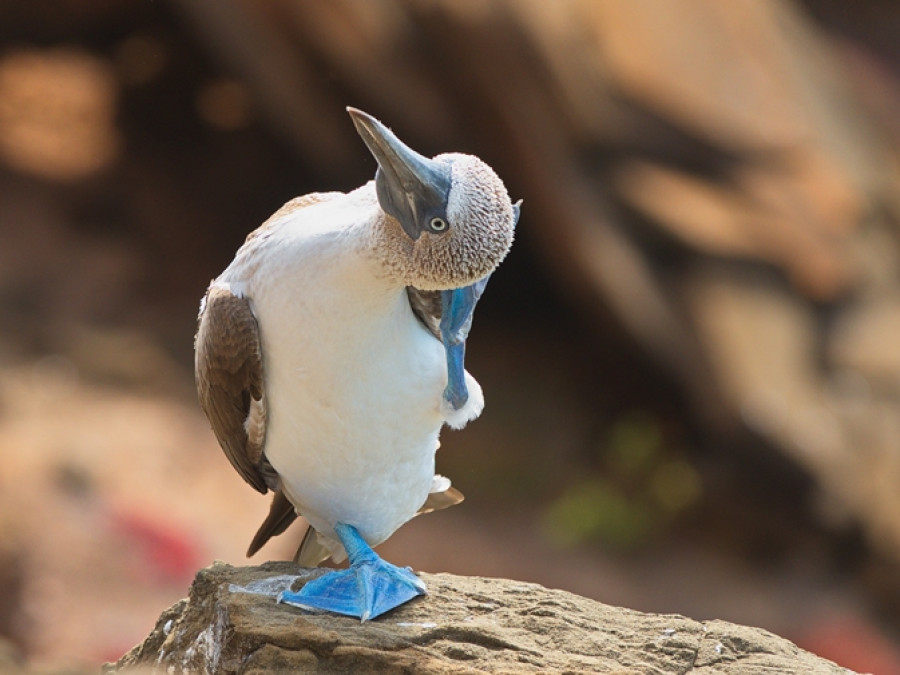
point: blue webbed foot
(368, 588)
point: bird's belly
(353, 422)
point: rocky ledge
(231, 623)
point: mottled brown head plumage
(480, 225)
(448, 221)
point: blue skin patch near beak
(367, 589)
(457, 307)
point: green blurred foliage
(643, 482)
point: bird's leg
(457, 306)
(369, 588)
(456, 393)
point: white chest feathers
(353, 381)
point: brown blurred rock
(57, 111)
(231, 624)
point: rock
(231, 623)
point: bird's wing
(229, 374)
(281, 515)
(228, 370)
(426, 305)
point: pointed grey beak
(410, 187)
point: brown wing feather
(426, 305)
(281, 515)
(228, 370)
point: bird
(330, 353)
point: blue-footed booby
(330, 353)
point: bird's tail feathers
(315, 549)
(312, 550)
(441, 496)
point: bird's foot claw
(365, 590)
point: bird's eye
(437, 225)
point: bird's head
(450, 220)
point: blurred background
(691, 357)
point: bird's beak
(410, 187)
